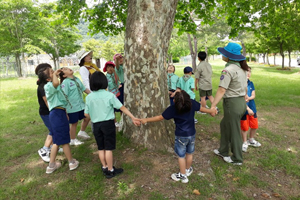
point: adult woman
(232, 87)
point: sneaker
(110, 174)
(216, 151)
(117, 124)
(44, 154)
(83, 135)
(189, 171)
(60, 150)
(245, 147)
(50, 170)
(228, 160)
(207, 106)
(76, 142)
(254, 143)
(74, 165)
(202, 113)
(179, 177)
(196, 121)
(218, 110)
(104, 170)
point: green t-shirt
(100, 105)
(73, 89)
(187, 86)
(55, 97)
(120, 73)
(172, 81)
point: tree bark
(274, 59)
(148, 31)
(192, 50)
(98, 63)
(18, 65)
(289, 58)
(268, 59)
(244, 48)
(282, 54)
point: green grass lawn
(272, 169)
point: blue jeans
(184, 145)
(46, 121)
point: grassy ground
(269, 171)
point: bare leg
(53, 153)
(48, 141)
(189, 160)
(84, 124)
(211, 99)
(109, 159)
(182, 165)
(203, 102)
(244, 135)
(101, 154)
(252, 132)
(67, 151)
(73, 130)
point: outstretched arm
(135, 121)
(152, 119)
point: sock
(182, 174)
(104, 167)
(112, 170)
(71, 161)
(245, 142)
(72, 140)
(251, 139)
(51, 165)
(46, 148)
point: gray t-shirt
(234, 80)
(204, 73)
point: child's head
(45, 76)
(249, 73)
(188, 70)
(120, 58)
(42, 67)
(98, 81)
(201, 55)
(171, 69)
(182, 102)
(65, 73)
(109, 67)
(85, 57)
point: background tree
(95, 46)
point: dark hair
(202, 55)
(183, 102)
(98, 81)
(81, 63)
(42, 67)
(61, 77)
(172, 66)
(244, 65)
(43, 76)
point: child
(183, 112)
(119, 61)
(203, 79)
(113, 83)
(58, 119)
(250, 117)
(44, 152)
(187, 83)
(172, 82)
(99, 108)
(72, 87)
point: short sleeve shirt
(100, 105)
(185, 124)
(111, 82)
(120, 73)
(43, 110)
(204, 73)
(187, 86)
(251, 103)
(172, 81)
(73, 89)
(55, 97)
(234, 80)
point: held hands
(246, 98)
(214, 111)
(136, 121)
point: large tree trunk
(244, 48)
(148, 31)
(290, 60)
(282, 54)
(18, 65)
(268, 59)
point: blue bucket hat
(232, 51)
(188, 69)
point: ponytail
(183, 103)
(244, 65)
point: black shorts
(105, 135)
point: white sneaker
(74, 165)
(50, 170)
(76, 142)
(44, 154)
(189, 171)
(229, 160)
(216, 151)
(196, 121)
(83, 135)
(60, 150)
(254, 143)
(245, 147)
(117, 124)
(202, 113)
(179, 177)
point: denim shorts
(184, 145)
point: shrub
(175, 60)
(253, 59)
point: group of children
(65, 102)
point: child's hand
(250, 112)
(144, 121)
(214, 111)
(246, 98)
(56, 72)
(136, 121)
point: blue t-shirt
(185, 124)
(251, 103)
